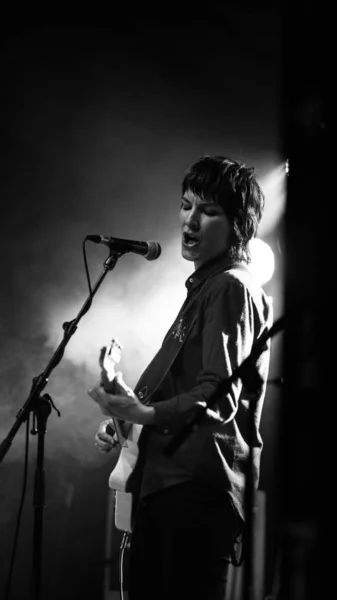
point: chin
(187, 255)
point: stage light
(262, 260)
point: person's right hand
(104, 442)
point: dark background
(100, 117)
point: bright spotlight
(262, 263)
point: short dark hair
(234, 187)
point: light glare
(262, 260)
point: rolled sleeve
(167, 417)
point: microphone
(150, 250)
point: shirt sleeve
(227, 317)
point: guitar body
(123, 511)
(118, 478)
(127, 435)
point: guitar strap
(174, 340)
(158, 368)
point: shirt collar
(216, 265)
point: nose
(193, 220)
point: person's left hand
(123, 404)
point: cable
(121, 559)
(86, 266)
(17, 529)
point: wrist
(148, 415)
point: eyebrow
(203, 203)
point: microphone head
(154, 250)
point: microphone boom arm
(41, 380)
(41, 408)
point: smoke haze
(99, 124)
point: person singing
(189, 508)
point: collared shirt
(224, 313)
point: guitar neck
(121, 428)
(109, 357)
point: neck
(198, 264)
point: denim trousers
(181, 544)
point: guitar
(127, 435)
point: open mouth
(189, 240)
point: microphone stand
(41, 407)
(248, 374)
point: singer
(189, 512)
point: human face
(205, 229)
